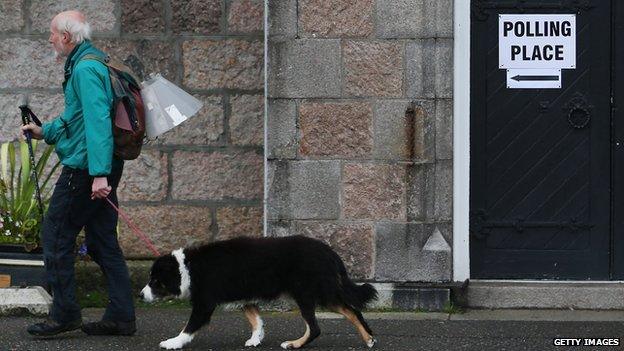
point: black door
(540, 182)
(617, 269)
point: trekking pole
(27, 115)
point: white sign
(537, 41)
(533, 78)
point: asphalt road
(229, 331)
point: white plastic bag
(166, 105)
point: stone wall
(201, 181)
(359, 121)
(360, 132)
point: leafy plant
(20, 219)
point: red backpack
(128, 111)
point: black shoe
(51, 327)
(105, 327)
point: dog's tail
(351, 294)
(358, 296)
(355, 295)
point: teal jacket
(82, 134)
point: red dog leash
(135, 229)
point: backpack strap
(94, 57)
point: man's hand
(37, 132)
(100, 188)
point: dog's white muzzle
(146, 294)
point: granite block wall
(360, 132)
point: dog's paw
(176, 343)
(291, 345)
(371, 342)
(287, 345)
(256, 338)
(253, 342)
(171, 344)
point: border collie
(251, 269)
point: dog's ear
(166, 264)
(171, 274)
(165, 276)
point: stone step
(543, 295)
(31, 300)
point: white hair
(79, 31)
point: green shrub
(20, 218)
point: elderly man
(83, 140)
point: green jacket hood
(80, 51)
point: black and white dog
(250, 269)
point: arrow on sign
(520, 78)
(533, 78)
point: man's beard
(59, 57)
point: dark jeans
(70, 210)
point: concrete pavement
(474, 330)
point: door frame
(461, 140)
